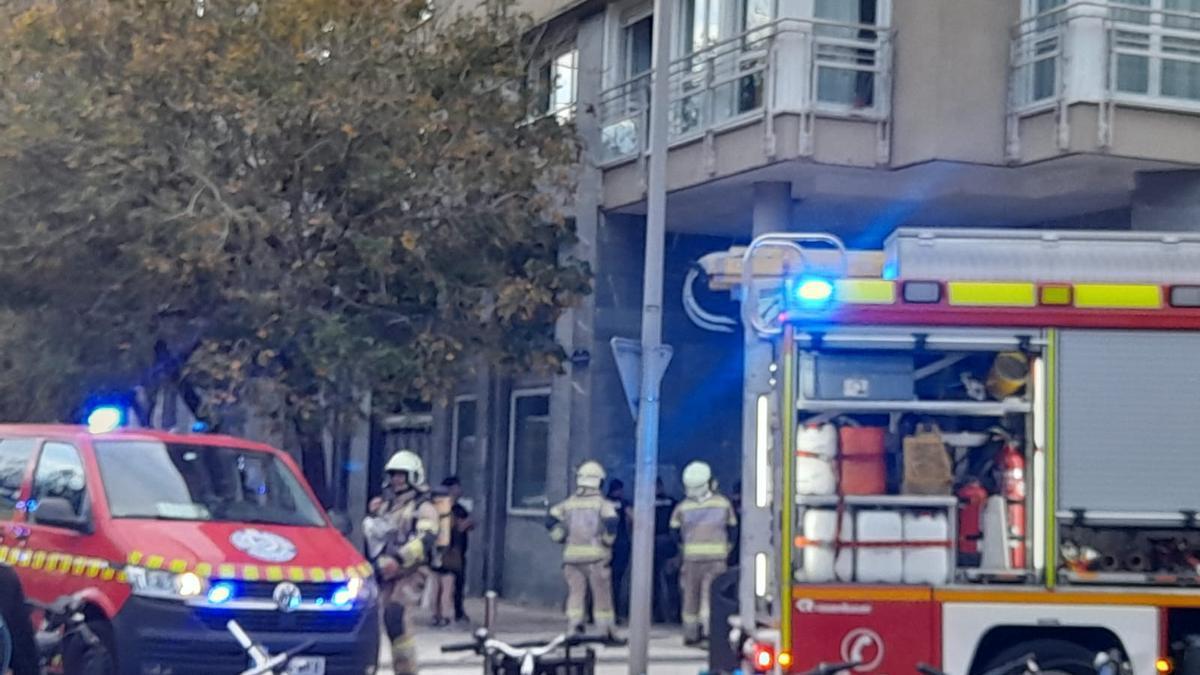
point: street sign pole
(654, 359)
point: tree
(326, 196)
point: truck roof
(128, 434)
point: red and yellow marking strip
(1004, 294)
(106, 570)
(62, 563)
(1036, 596)
(1006, 303)
(243, 572)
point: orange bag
(862, 461)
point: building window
(1156, 45)
(60, 475)
(846, 71)
(558, 83)
(14, 460)
(528, 450)
(464, 441)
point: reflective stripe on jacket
(588, 526)
(704, 527)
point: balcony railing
(789, 66)
(1130, 53)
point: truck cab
(169, 536)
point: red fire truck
(969, 446)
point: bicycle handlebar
(484, 642)
(833, 668)
(1022, 663)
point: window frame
(454, 419)
(88, 508)
(527, 392)
(27, 472)
(550, 61)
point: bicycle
(532, 657)
(264, 662)
(68, 641)
(1028, 664)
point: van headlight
(165, 585)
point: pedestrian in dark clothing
(665, 597)
(735, 551)
(622, 550)
(459, 540)
(24, 659)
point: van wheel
(80, 659)
(1052, 656)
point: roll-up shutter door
(1129, 421)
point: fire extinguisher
(1012, 485)
(971, 498)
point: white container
(815, 476)
(821, 441)
(926, 564)
(879, 564)
(820, 528)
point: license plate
(306, 665)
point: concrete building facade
(846, 116)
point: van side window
(14, 459)
(60, 474)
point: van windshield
(174, 481)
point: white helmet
(697, 479)
(410, 463)
(590, 475)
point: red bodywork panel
(889, 633)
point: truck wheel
(79, 659)
(1052, 656)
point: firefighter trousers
(401, 601)
(695, 583)
(581, 578)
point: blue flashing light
(105, 418)
(812, 292)
(199, 428)
(221, 593)
(891, 270)
(343, 596)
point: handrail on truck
(788, 240)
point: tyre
(81, 659)
(1052, 656)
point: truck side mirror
(341, 522)
(58, 512)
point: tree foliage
(328, 195)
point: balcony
(810, 69)
(1113, 77)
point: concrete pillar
(772, 209)
(571, 393)
(1166, 201)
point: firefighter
(702, 522)
(586, 523)
(401, 531)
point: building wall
(950, 89)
